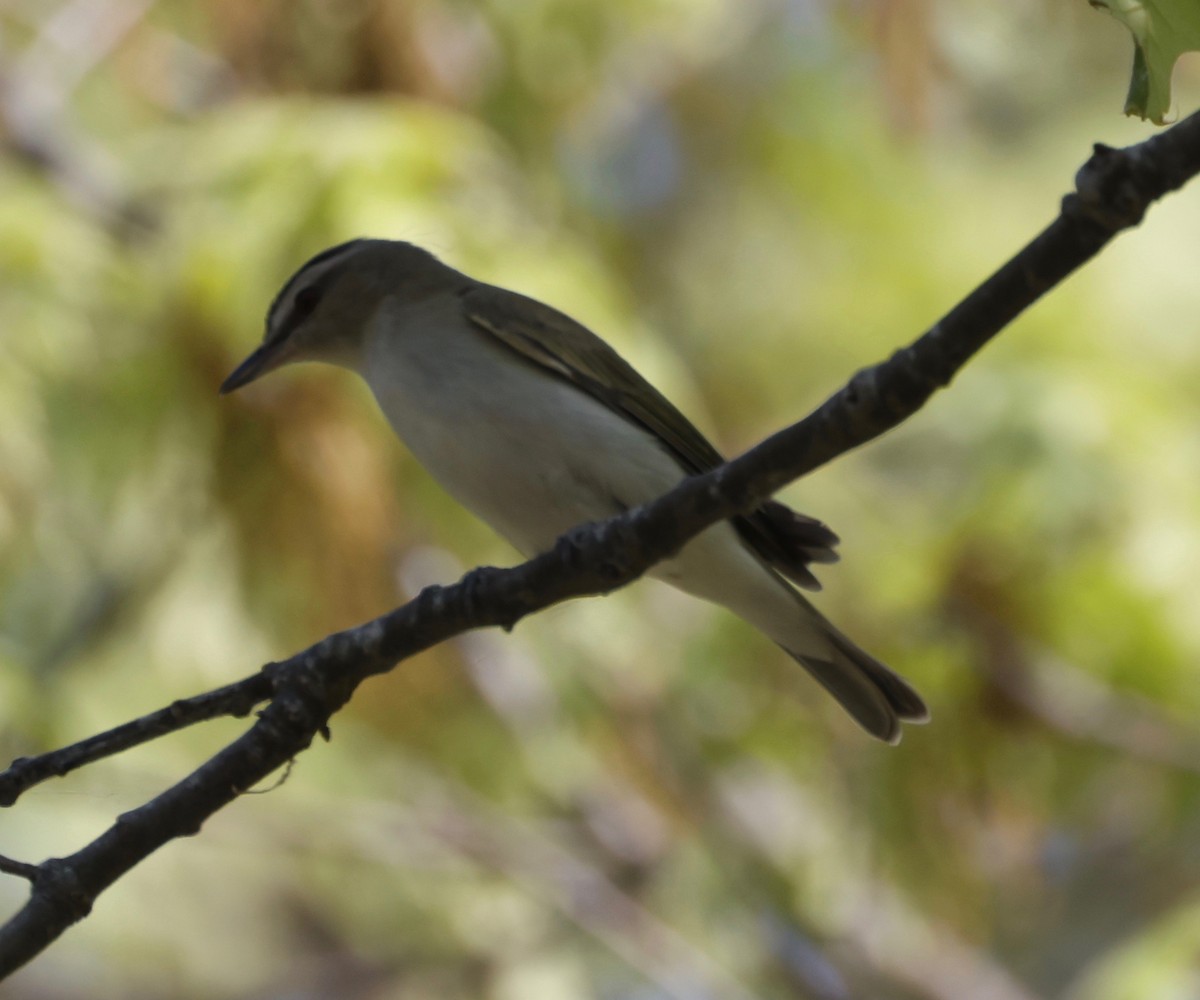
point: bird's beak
(266, 359)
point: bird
(536, 425)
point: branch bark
(1113, 190)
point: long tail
(719, 568)
(877, 698)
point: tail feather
(876, 698)
(908, 705)
(865, 701)
(719, 567)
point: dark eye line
(303, 304)
(306, 301)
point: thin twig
(234, 700)
(19, 868)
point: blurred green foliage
(635, 796)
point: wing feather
(788, 541)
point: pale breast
(526, 452)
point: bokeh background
(634, 797)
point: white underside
(533, 456)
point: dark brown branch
(18, 868)
(1114, 189)
(234, 699)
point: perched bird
(536, 425)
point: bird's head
(324, 311)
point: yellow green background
(636, 796)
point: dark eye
(305, 302)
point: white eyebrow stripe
(322, 263)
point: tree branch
(234, 699)
(1113, 190)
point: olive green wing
(557, 343)
(788, 541)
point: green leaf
(1162, 31)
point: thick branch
(1113, 191)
